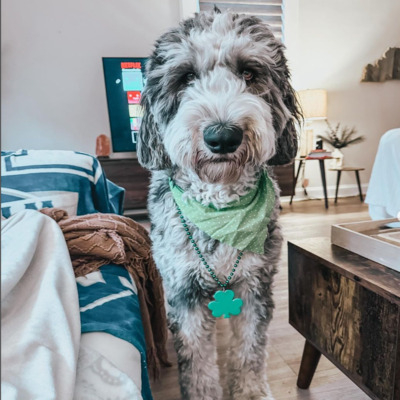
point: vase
(337, 160)
(103, 146)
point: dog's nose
(223, 138)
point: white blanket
(99, 378)
(383, 195)
(40, 323)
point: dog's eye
(247, 75)
(189, 77)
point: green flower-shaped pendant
(225, 304)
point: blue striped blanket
(75, 182)
(34, 179)
(109, 303)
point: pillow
(55, 172)
(66, 201)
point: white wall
(188, 8)
(329, 43)
(52, 80)
(53, 94)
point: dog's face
(217, 97)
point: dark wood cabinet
(128, 173)
(285, 176)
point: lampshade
(313, 103)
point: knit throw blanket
(95, 240)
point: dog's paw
(255, 393)
(258, 397)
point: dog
(218, 111)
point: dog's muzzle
(223, 138)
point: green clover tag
(224, 304)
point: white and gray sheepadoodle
(219, 110)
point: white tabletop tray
(371, 239)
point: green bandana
(243, 224)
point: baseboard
(317, 192)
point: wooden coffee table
(348, 309)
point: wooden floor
(300, 220)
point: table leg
(322, 168)
(359, 186)
(295, 180)
(339, 173)
(309, 363)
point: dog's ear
(216, 9)
(287, 136)
(150, 148)
(286, 113)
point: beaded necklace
(224, 303)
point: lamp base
(306, 140)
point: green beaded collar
(243, 224)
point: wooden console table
(129, 174)
(348, 308)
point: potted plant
(339, 138)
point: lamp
(314, 105)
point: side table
(348, 169)
(348, 309)
(323, 177)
